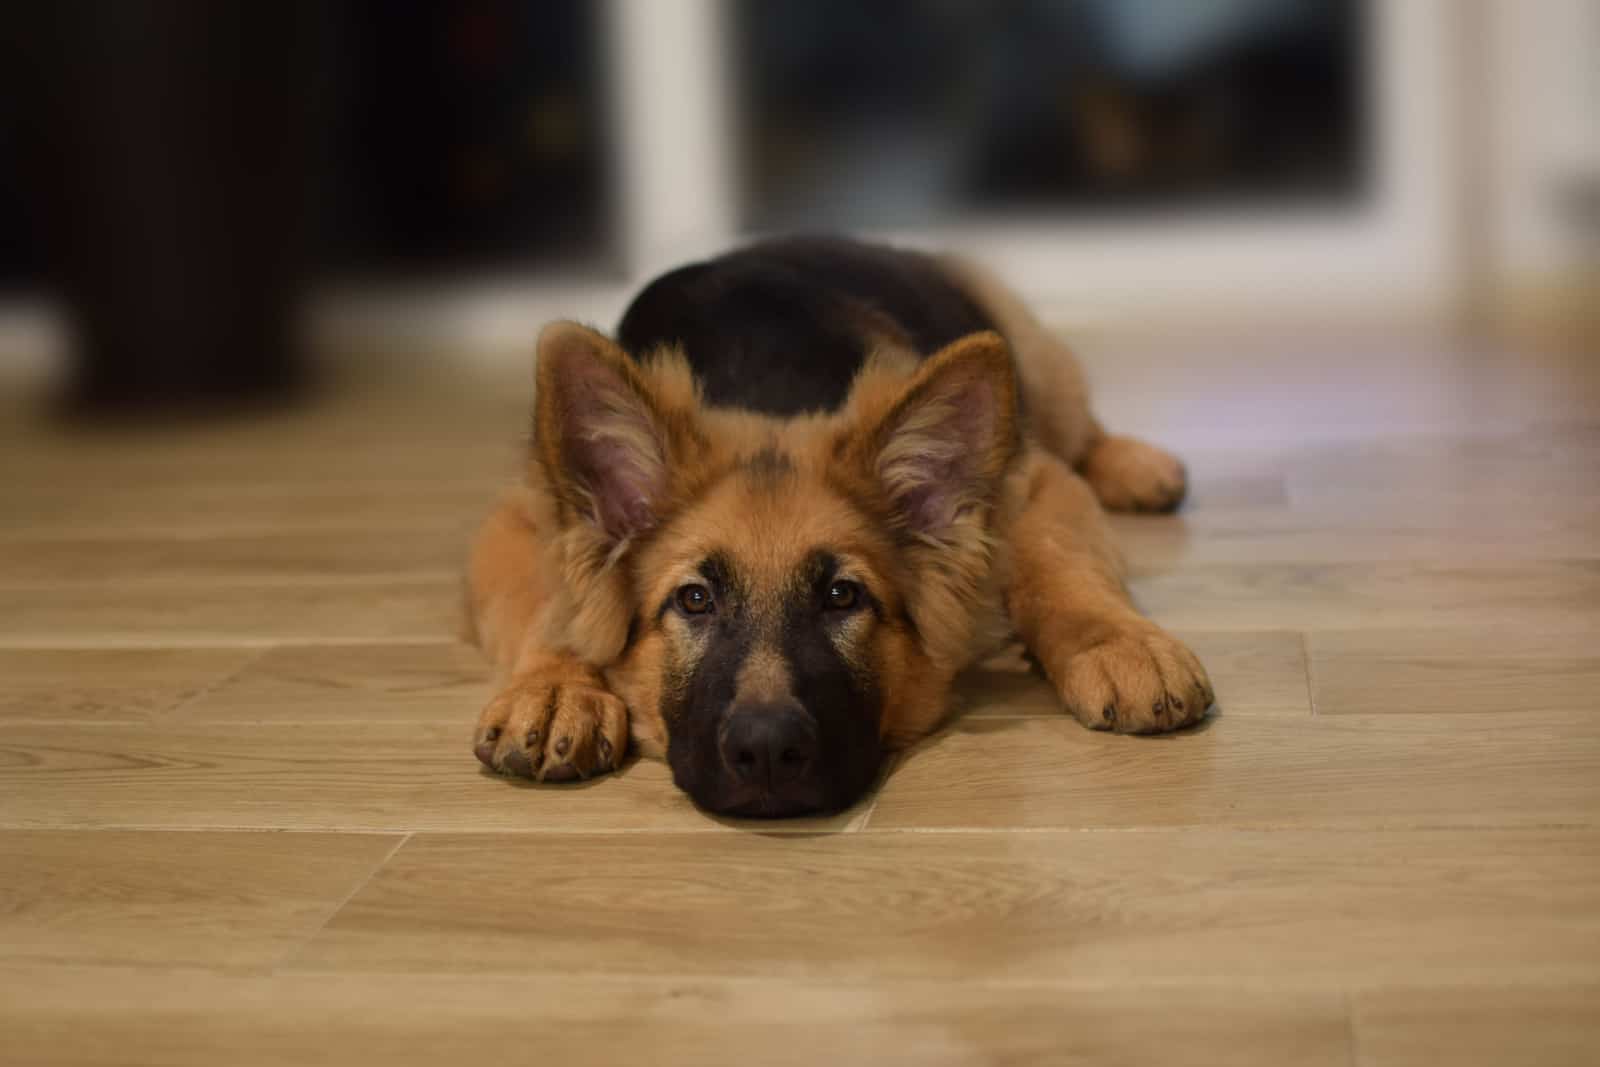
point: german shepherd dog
(765, 527)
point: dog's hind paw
(1129, 475)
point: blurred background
(205, 203)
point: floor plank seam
(1241, 982)
(256, 656)
(261, 580)
(1305, 663)
(1352, 1038)
(288, 957)
(712, 828)
(115, 642)
(72, 534)
(858, 824)
(795, 830)
(1253, 828)
(1248, 983)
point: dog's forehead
(767, 520)
(772, 517)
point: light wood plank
(1220, 487)
(1488, 671)
(214, 899)
(1537, 1025)
(439, 435)
(401, 553)
(1545, 480)
(225, 459)
(83, 1016)
(373, 775)
(1369, 772)
(1259, 673)
(1375, 530)
(1354, 596)
(1327, 908)
(107, 685)
(241, 508)
(231, 614)
(443, 683)
(1254, 673)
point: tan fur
(565, 601)
(1126, 474)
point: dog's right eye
(694, 599)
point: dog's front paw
(553, 727)
(1138, 681)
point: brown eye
(694, 599)
(842, 595)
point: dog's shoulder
(783, 327)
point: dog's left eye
(694, 599)
(842, 596)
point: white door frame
(1393, 251)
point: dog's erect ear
(600, 433)
(943, 446)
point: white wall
(1544, 133)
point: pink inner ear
(609, 438)
(621, 489)
(938, 474)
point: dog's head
(776, 601)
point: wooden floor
(240, 821)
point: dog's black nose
(769, 745)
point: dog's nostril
(770, 745)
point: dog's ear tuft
(599, 433)
(944, 445)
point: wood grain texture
(145, 560)
(443, 683)
(251, 614)
(1446, 672)
(1548, 1025)
(1326, 907)
(1338, 771)
(1368, 528)
(107, 685)
(86, 1016)
(1555, 594)
(364, 775)
(224, 900)
(249, 508)
(351, 438)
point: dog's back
(782, 327)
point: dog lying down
(766, 525)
